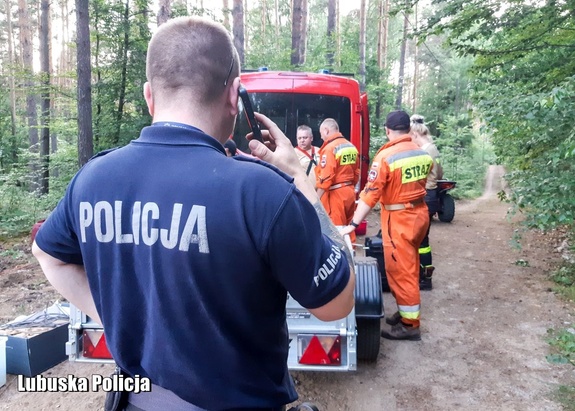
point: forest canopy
(493, 79)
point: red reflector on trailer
(95, 344)
(319, 349)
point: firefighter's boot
(425, 278)
(402, 331)
(394, 319)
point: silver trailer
(315, 345)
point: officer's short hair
(191, 55)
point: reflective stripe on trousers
(410, 312)
(425, 256)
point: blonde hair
(418, 126)
(192, 57)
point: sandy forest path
(484, 327)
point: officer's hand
(276, 149)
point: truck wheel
(368, 338)
(447, 211)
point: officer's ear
(149, 97)
(233, 96)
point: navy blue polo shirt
(189, 256)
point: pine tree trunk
(11, 62)
(380, 26)
(246, 25)
(331, 16)
(59, 80)
(263, 16)
(303, 32)
(382, 51)
(238, 31)
(124, 73)
(46, 76)
(362, 30)
(416, 66)
(296, 32)
(31, 109)
(399, 97)
(85, 138)
(98, 74)
(385, 32)
(277, 18)
(337, 35)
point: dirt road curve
(484, 326)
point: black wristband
(353, 224)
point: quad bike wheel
(447, 211)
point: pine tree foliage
(119, 34)
(523, 94)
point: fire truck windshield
(290, 110)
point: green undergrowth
(566, 397)
(564, 278)
(562, 346)
(562, 341)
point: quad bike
(446, 202)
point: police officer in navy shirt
(186, 256)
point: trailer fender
(368, 296)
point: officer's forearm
(70, 280)
(330, 230)
(304, 185)
(327, 227)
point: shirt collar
(177, 134)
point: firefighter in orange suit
(397, 180)
(337, 174)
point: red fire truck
(291, 99)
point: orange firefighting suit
(397, 180)
(337, 173)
